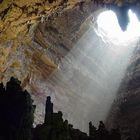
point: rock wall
(125, 112)
(39, 31)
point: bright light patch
(108, 27)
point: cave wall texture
(124, 112)
(36, 35)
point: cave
(84, 54)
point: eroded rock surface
(125, 109)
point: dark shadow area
(16, 119)
(16, 112)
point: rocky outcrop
(16, 112)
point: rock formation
(36, 35)
(16, 119)
(16, 112)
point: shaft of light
(88, 78)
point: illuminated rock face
(25, 45)
(35, 37)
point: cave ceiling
(36, 35)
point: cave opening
(109, 27)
